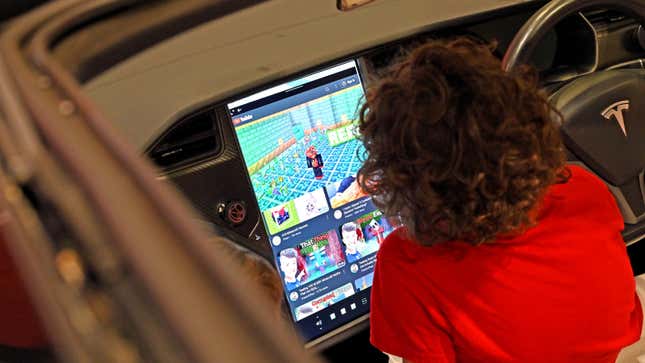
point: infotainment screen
(299, 143)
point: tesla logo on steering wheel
(616, 110)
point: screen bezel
(361, 321)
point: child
(507, 254)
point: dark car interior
(242, 154)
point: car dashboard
(183, 102)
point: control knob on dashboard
(233, 212)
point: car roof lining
(146, 93)
(108, 38)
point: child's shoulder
(584, 195)
(400, 246)
(582, 176)
(583, 187)
(396, 245)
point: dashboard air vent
(191, 139)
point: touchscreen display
(299, 144)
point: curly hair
(457, 148)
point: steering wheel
(603, 124)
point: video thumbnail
(375, 227)
(344, 191)
(364, 282)
(310, 260)
(363, 236)
(281, 217)
(324, 301)
(311, 205)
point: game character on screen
(319, 261)
(314, 161)
(311, 205)
(376, 230)
(291, 268)
(349, 232)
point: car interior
(252, 116)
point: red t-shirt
(561, 292)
